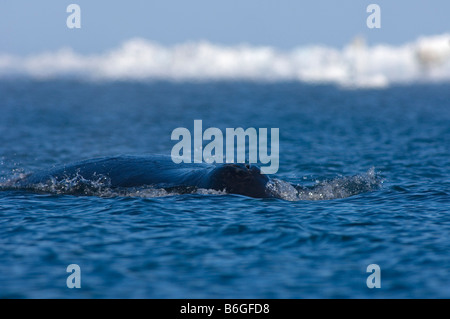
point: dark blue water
(150, 245)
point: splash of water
(340, 187)
(100, 186)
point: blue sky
(29, 26)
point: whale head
(242, 179)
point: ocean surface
(394, 139)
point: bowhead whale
(157, 171)
(122, 174)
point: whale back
(156, 170)
(125, 171)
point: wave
(425, 60)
